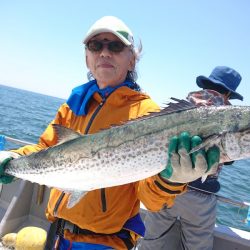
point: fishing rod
(229, 201)
(222, 198)
(233, 202)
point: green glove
(5, 157)
(183, 167)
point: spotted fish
(134, 150)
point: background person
(107, 218)
(189, 224)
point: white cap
(113, 25)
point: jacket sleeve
(155, 193)
(48, 138)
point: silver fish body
(134, 150)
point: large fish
(134, 150)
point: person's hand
(5, 157)
(183, 167)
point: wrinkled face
(109, 68)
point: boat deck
(23, 204)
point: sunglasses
(113, 46)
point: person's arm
(155, 192)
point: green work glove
(5, 157)
(183, 167)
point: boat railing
(4, 138)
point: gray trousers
(188, 225)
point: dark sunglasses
(113, 46)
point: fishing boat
(23, 204)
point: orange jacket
(106, 210)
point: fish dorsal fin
(64, 134)
(177, 105)
(172, 107)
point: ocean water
(24, 115)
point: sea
(24, 115)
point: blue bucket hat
(222, 79)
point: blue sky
(41, 49)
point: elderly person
(106, 218)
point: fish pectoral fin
(207, 143)
(203, 178)
(75, 197)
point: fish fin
(203, 178)
(64, 134)
(75, 197)
(207, 143)
(177, 106)
(171, 107)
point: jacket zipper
(58, 203)
(93, 116)
(103, 196)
